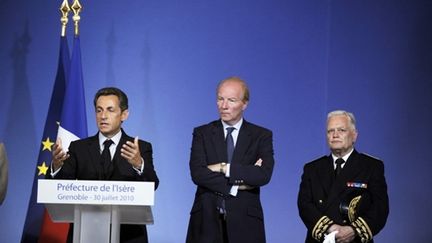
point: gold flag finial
(64, 9)
(76, 8)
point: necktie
(339, 163)
(230, 149)
(106, 156)
(230, 143)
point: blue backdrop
(301, 59)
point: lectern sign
(95, 192)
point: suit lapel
(118, 161)
(95, 155)
(326, 174)
(124, 138)
(349, 171)
(243, 142)
(218, 140)
(351, 168)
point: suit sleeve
(149, 173)
(3, 173)
(245, 172)
(316, 222)
(373, 217)
(201, 175)
(68, 170)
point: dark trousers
(223, 229)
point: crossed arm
(222, 167)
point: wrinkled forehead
(339, 121)
(231, 88)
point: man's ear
(124, 115)
(245, 104)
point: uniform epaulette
(368, 155)
(320, 158)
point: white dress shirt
(235, 133)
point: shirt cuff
(234, 190)
(141, 169)
(53, 174)
(227, 173)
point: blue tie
(230, 143)
(230, 149)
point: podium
(97, 208)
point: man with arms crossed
(230, 160)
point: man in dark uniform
(345, 191)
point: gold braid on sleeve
(362, 229)
(321, 227)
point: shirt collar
(115, 138)
(345, 157)
(236, 126)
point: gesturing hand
(131, 152)
(58, 155)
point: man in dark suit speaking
(109, 155)
(230, 160)
(344, 193)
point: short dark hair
(113, 91)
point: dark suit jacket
(4, 164)
(84, 164)
(320, 194)
(245, 222)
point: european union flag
(36, 213)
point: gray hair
(350, 116)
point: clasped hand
(345, 234)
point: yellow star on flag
(47, 144)
(42, 169)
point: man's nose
(222, 104)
